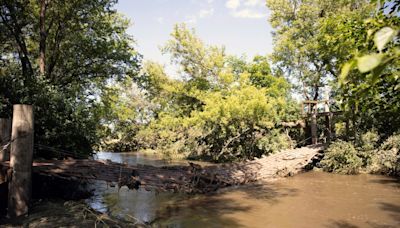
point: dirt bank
(58, 213)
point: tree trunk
(43, 36)
(21, 160)
(5, 138)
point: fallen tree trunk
(189, 179)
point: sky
(239, 25)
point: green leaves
(222, 109)
(383, 36)
(369, 62)
(345, 71)
(87, 50)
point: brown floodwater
(313, 199)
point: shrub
(341, 157)
(274, 142)
(387, 159)
(369, 140)
(367, 147)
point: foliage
(341, 157)
(351, 46)
(371, 77)
(368, 156)
(62, 63)
(120, 117)
(222, 108)
(367, 147)
(387, 160)
(311, 39)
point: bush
(387, 159)
(369, 140)
(341, 157)
(367, 147)
(275, 142)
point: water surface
(313, 199)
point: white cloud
(160, 20)
(254, 2)
(191, 20)
(206, 12)
(232, 4)
(247, 13)
(250, 9)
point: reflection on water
(137, 158)
(312, 199)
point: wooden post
(314, 137)
(5, 138)
(328, 118)
(21, 160)
(328, 126)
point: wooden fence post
(20, 187)
(314, 129)
(5, 138)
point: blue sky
(240, 25)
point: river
(312, 199)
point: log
(20, 187)
(5, 138)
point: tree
(369, 81)
(222, 107)
(305, 35)
(60, 56)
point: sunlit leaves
(345, 71)
(220, 107)
(368, 62)
(383, 36)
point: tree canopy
(59, 56)
(76, 63)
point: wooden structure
(188, 179)
(311, 112)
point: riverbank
(59, 213)
(328, 200)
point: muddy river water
(313, 199)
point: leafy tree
(222, 108)
(60, 56)
(370, 79)
(308, 38)
(320, 43)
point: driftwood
(189, 179)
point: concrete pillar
(20, 187)
(5, 138)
